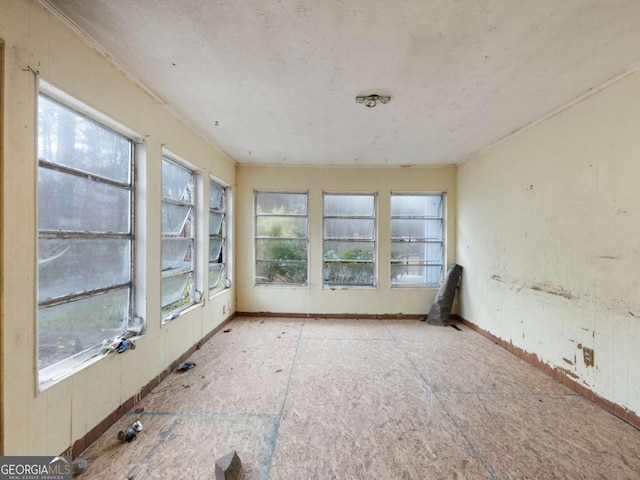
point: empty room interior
(228, 221)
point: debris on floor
(183, 367)
(228, 467)
(78, 467)
(226, 331)
(130, 433)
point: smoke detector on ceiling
(371, 101)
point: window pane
(174, 218)
(409, 275)
(348, 274)
(176, 253)
(281, 203)
(349, 228)
(67, 266)
(416, 252)
(215, 274)
(177, 182)
(174, 288)
(71, 328)
(434, 275)
(216, 194)
(215, 248)
(416, 228)
(284, 273)
(281, 227)
(68, 202)
(215, 222)
(349, 205)
(348, 251)
(416, 205)
(70, 139)
(281, 250)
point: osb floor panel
(365, 399)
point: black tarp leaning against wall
(441, 308)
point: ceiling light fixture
(371, 101)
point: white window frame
(256, 238)
(225, 276)
(195, 291)
(135, 324)
(426, 241)
(374, 259)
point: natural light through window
(417, 240)
(85, 241)
(281, 238)
(349, 239)
(178, 238)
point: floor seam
(429, 384)
(284, 402)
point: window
(417, 240)
(281, 238)
(217, 237)
(178, 238)
(349, 239)
(85, 239)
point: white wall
(315, 298)
(549, 237)
(49, 422)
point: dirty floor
(364, 399)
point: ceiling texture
(274, 82)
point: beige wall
(549, 236)
(49, 422)
(315, 298)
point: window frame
(225, 281)
(195, 294)
(133, 323)
(374, 240)
(256, 238)
(426, 241)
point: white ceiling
(275, 81)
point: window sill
(54, 374)
(349, 287)
(183, 311)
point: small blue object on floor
(183, 367)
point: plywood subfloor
(365, 399)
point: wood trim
(92, 435)
(339, 316)
(560, 374)
(1, 245)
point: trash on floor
(228, 467)
(183, 367)
(78, 466)
(130, 433)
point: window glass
(349, 239)
(417, 240)
(178, 238)
(85, 241)
(217, 237)
(281, 241)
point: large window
(85, 236)
(349, 239)
(217, 237)
(178, 238)
(281, 238)
(417, 240)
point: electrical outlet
(589, 358)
